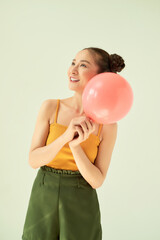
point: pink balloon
(107, 98)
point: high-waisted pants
(62, 206)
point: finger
(79, 119)
(83, 114)
(80, 131)
(79, 125)
(91, 125)
(85, 125)
(89, 122)
(85, 129)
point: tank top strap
(55, 118)
(99, 131)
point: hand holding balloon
(81, 130)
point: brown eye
(83, 65)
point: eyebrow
(82, 61)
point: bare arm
(89, 171)
(43, 155)
(95, 174)
(39, 153)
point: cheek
(89, 74)
(86, 72)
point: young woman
(73, 154)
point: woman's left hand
(83, 130)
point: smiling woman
(73, 153)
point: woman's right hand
(71, 132)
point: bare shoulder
(109, 136)
(47, 103)
(109, 129)
(47, 107)
(109, 133)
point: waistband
(60, 171)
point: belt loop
(43, 178)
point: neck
(76, 103)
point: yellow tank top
(64, 158)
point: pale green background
(38, 40)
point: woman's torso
(66, 114)
(59, 121)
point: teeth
(73, 79)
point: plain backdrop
(38, 40)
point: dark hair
(106, 62)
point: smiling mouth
(74, 80)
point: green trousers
(62, 206)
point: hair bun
(116, 63)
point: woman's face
(82, 68)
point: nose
(74, 70)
